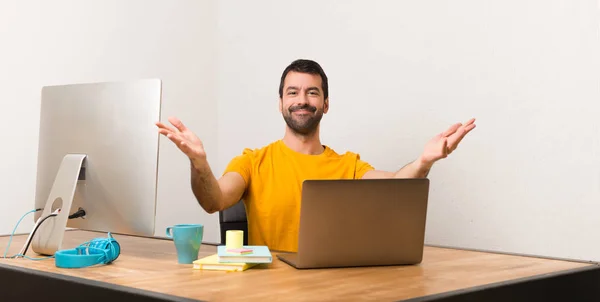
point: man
(269, 179)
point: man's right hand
(212, 194)
(184, 139)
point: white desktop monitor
(98, 146)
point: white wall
(63, 42)
(525, 181)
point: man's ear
(326, 106)
(280, 105)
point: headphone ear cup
(117, 252)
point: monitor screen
(107, 130)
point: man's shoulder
(258, 151)
(353, 158)
(249, 157)
(346, 154)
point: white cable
(29, 237)
(22, 251)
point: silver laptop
(366, 222)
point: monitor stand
(49, 235)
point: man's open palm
(183, 138)
(445, 143)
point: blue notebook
(259, 254)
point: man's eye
(291, 93)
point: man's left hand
(445, 143)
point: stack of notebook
(236, 259)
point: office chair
(234, 218)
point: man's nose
(303, 99)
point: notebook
(212, 263)
(259, 254)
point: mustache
(303, 107)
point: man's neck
(306, 144)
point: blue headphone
(93, 252)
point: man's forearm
(205, 186)
(415, 169)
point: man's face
(303, 104)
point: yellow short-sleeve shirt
(274, 176)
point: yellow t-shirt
(274, 176)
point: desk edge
(496, 285)
(96, 283)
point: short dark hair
(306, 66)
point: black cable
(35, 229)
(79, 213)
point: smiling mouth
(302, 111)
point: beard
(306, 123)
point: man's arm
(437, 148)
(415, 169)
(215, 195)
(212, 194)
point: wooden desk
(148, 268)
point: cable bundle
(25, 247)
(109, 247)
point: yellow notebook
(212, 263)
